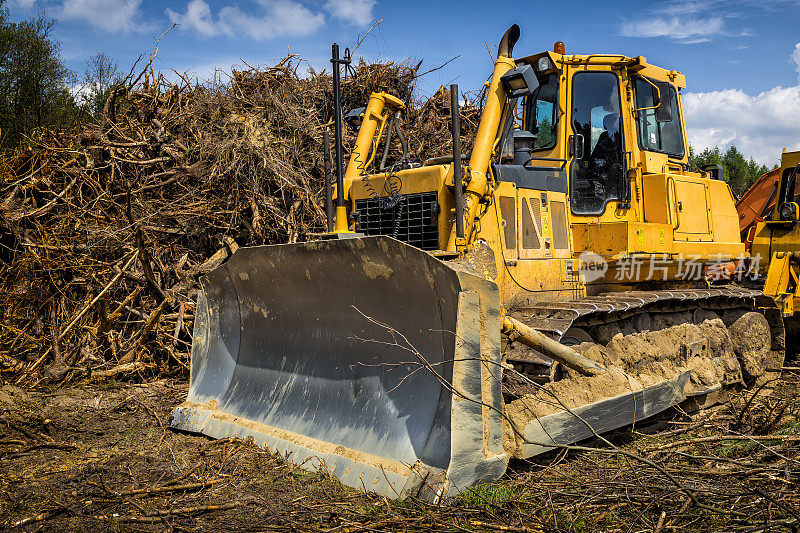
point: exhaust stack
(485, 138)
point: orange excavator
(769, 221)
(758, 202)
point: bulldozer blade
(364, 357)
(574, 425)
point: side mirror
(664, 109)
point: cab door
(595, 142)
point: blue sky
(741, 57)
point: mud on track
(99, 458)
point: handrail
(677, 218)
(658, 95)
(552, 159)
(573, 60)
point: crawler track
(589, 319)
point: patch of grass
(736, 448)
(564, 521)
(790, 428)
(491, 494)
(739, 448)
(108, 385)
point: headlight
(517, 83)
(520, 81)
(788, 211)
(354, 118)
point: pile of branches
(106, 227)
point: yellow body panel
(536, 261)
(782, 280)
(771, 237)
(612, 239)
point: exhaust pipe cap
(510, 38)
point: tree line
(36, 88)
(739, 173)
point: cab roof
(637, 65)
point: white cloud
(197, 18)
(78, 91)
(684, 7)
(682, 29)
(358, 12)
(732, 8)
(759, 126)
(697, 21)
(24, 4)
(795, 58)
(281, 17)
(113, 16)
(274, 18)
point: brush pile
(106, 228)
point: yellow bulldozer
(545, 288)
(776, 244)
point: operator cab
(604, 136)
(573, 154)
(596, 117)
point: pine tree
(739, 173)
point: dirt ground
(99, 457)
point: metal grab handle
(576, 146)
(676, 222)
(658, 96)
(458, 184)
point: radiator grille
(530, 233)
(418, 223)
(560, 238)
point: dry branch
(125, 211)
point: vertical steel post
(341, 212)
(326, 161)
(458, 184)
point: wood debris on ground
(100, 456)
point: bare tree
(99, 77)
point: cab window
(655, 136)
(541, 113)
